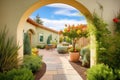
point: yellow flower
(78, 31)
(65, 30)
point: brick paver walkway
(58, 66)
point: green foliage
(100, 72)
(49, 39)
(38, 20)
(108, 48)
(74, 50)
(17, 74)
(61, 39)
(41, 46)
(68, 40)
(117, 74)
(113, 52)
(32, 62)
(53, 42)
(27, 45)
(101, 27)
(102, 36)
(8, 52)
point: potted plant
(74, 54)
(74, 33)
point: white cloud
(66, 12)
(63, 6)
(60, 24)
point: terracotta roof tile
(40, 26)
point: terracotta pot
(74, 56)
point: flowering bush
(75, 32)
(35, 51)
(116, 21)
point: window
(41, 37)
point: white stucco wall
(110, 8)
(35, 37)
(45, 35)
(28, 26)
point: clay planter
(74, 56)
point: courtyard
(21, 59)
(58, 66)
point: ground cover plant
(32, 62)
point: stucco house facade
(39, 33)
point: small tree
(75, 32)
(27, 46)
(38, 20)
(49, 39)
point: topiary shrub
(17, 74)
(100, 72)
(49, 39)
(8, 52)
(32, 62)
(27, 46)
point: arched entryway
(41, 3)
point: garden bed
(80, 69)
(41, 72)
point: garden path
(58, 66)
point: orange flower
(68, 30)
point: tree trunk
(74, 43)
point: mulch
(80, 69)
(41, 72)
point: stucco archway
(41, 3)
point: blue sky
(55, 16)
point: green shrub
(108, 48)
(77, 49)
(32, 62)
(41, 46)
(117, 74)
(100, 72)
(68, 40)
(8, 52)
(27, 46)
(17, 74)
(49, 39)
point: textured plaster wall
(28, 26)
(37, 30)
(45, 35)
(110, 8)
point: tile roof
(40, 26)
